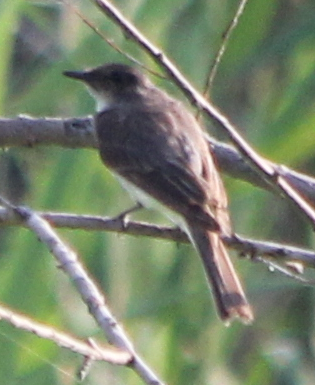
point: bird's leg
(123, 216)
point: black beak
(79, 75)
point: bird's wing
(151, 150)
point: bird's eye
(119, 77)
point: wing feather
(149, 148)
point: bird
(159, 152)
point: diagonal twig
(264, 169)
(88, 290)
(99, 353)
(226, 37)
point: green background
(266, 85)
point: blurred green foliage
(266, 85)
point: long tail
(227, 290)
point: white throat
(103, 100)
(102, 104)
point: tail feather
(226, 287)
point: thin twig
(101, 353)
(285, 270)
(98, 32)
(258, 163)
(88, 290)
(281, 252)
(110, 42)
(226, 37)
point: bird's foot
(123, 217)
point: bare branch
(226, 37)
(252, 248)
(79, 133)
(99, 353)
(30, 132)
(280, 252)
(260, 165)
(88, 290)
(98, 223)
(231, 162)
(98, 32)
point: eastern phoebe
(159, 152)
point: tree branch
(90, 294)
(226, 37)
(95, 353)
(261, 166)
(30, 132)
(248, 247)
(79, 133)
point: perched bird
(159, 152)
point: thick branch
(79, 133)
(231, 162)
(30, 132)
